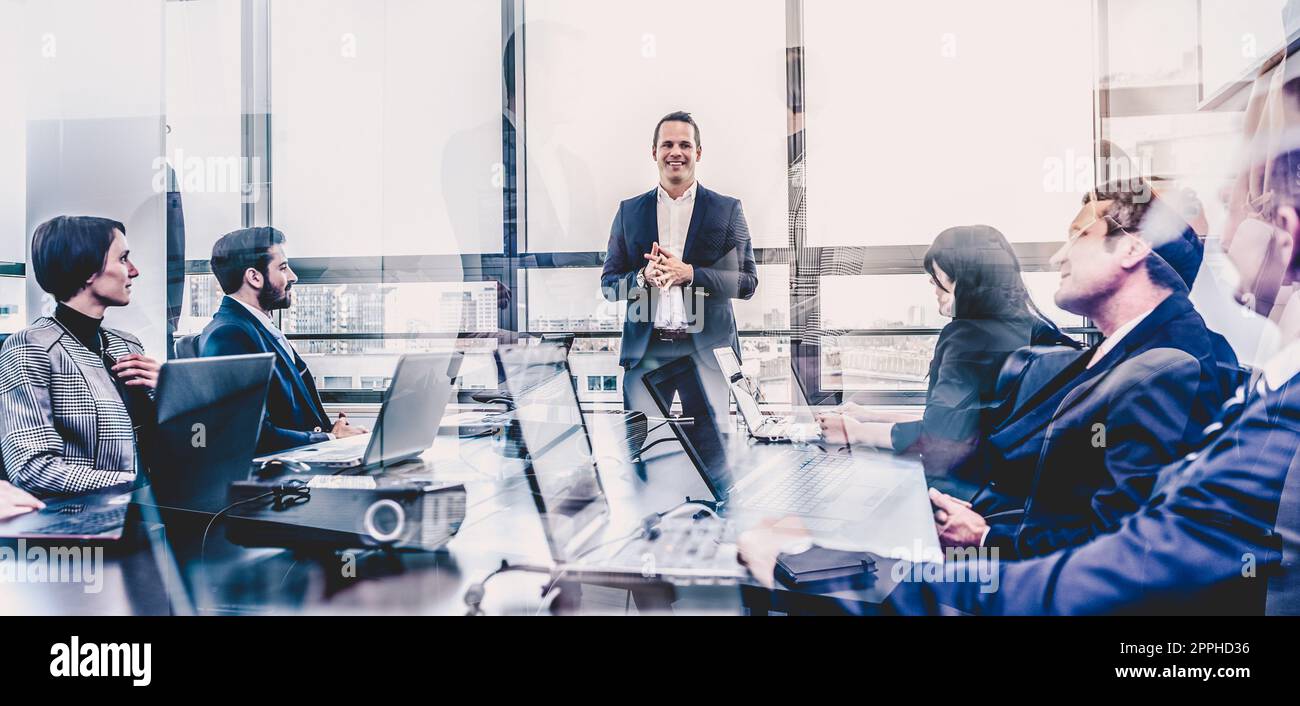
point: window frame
(504, 267)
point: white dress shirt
(1113, 340)
(1281, 368)
(270, 326)
(674, 217)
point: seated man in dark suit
(253, 271)
(1220, 534)
(1079, 452)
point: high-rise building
(347, 308)
(470, 308)
(205, 296)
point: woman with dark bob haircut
(977, 282)
(76, 397)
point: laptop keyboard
(683, 543)
(817, 478)
(347, 449)
(334, 455)
(91, 523)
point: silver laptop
(873, 502)
(570, 498)
(765, 427)
(407, 424)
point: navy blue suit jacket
(717, 246)
(1219, 535)
(295, 415)
(1081, 452)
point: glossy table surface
(141, 576)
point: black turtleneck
(84, 328)
(87, 331)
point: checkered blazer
(63, 426)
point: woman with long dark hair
(977, 282)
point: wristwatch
(640, 278)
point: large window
(13, 171)
(12, 293)
(386, 142)
(1238, 36)
(923, 116)
(371, 134)
(447, 172)
(1174, 98)
(386, 130)
(919, 118)
(588, 148)
(204, 126)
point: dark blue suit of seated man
(1082, 446)
(253, 271)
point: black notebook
(818, 565)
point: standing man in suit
(678, 255)
(254, 272)
(1081, 452)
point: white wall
(94, 129)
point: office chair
(1057, 358)
(1230, 375)
(187, 347)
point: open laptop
(97, 516)
(209, 416)
(764, 427)
(873, 502)
(408, 421)
(209, 419)
(570, 498)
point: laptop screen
(745, 401)
(209, 418)
(413, 406)
(562, 470)
(702, 438)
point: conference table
(153, 571)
